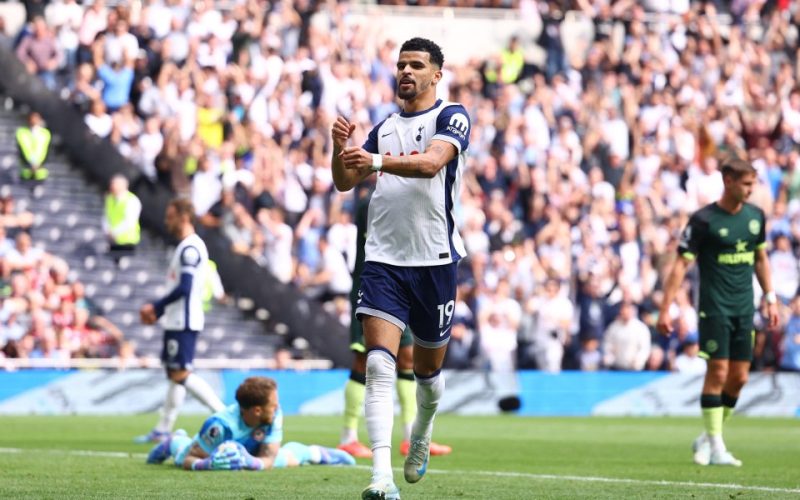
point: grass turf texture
(494, 457)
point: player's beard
(413, 92)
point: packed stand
(584, 166)
(43, 314)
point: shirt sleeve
(371, 144)
(104, 73)
(190, 260)
(453, 126)
(692, 238)
(214, 432)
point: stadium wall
(319, 392)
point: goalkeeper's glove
(248, 461)
(229, 455)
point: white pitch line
(620, 480)
(524, 475)
(79, 453)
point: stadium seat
(217, 333)
(108, 305)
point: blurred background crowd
(44, 314)
(591, 145)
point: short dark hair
(735, 167)
(183, 206)
(424, 45)
(255, 391)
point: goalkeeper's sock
(354, 392)
(711, 405)
(379, 409)
(293, 453)
(728, 404)
(177, 443)
(176, 394)
(407, 394)
(200, 389)
(429, 392)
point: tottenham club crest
(258, 435)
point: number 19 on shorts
(446, 310)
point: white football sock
(379, 410)
(200, 389)
(429, 392)
(407, 431)
(176, 394)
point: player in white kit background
(412, 249)
(182, 317)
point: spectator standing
(39, 53)
(786, 270)
(553, 311)
(117, 78)
(626, 342)
(790, 348)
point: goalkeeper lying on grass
(244, 436)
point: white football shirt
(411, 220)
(186, 313)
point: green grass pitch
(493, 458)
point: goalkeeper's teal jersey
(227, 425)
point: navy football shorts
(178, 350)
(423, 298)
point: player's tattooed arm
(424, 165)
(267, 453)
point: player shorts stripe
(368, 311)
(431, 345)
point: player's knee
(737, 380)
(405, 358)
(380, 366)
(177, 376)
(359, 363)
(424, 367)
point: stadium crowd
(584, 166)
(43, 314)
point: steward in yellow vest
(33, 143)
(212, 288)
(121, 221)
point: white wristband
(771, 298)
(377, 162)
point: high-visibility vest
(34, 144)
(512, 64)
(115, 213)
(208, 286)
